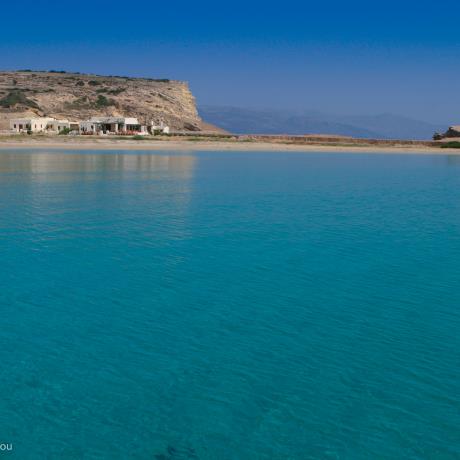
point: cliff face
(78, 97)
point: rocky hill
(78, 97)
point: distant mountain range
(251, 121)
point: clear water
(229, 306)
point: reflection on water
(42, 163)
(453, 159)
(53, 192)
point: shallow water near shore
(174, 306)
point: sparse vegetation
(159, 80)
(137, 137)
(124, 77)
(64, 131)
(437, 136)
(86, 103)
(70, 96)
(79, 103)
(451, 145)
(116, 91)
(17, 98)
(32, 90)
(112, 91)
(102, 101)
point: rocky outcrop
(453, 131)
(78, 97)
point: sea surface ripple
(211, 305)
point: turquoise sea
(225, 305)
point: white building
(162, 128)
(112, 125)
(36, 125)
(56, 126)
(41, 125)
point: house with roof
(35, 125)
(57, 126)
(41, 125)
(112, 125)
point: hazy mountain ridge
(267, 121)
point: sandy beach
(191, 144)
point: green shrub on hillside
(113, 91)
(17, 97)
(102, 101)
(116, 91)
(451, 145)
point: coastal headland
(78, 97)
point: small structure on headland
(42, 125)
(452, 133)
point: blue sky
(352, 57)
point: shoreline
(216, 145)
